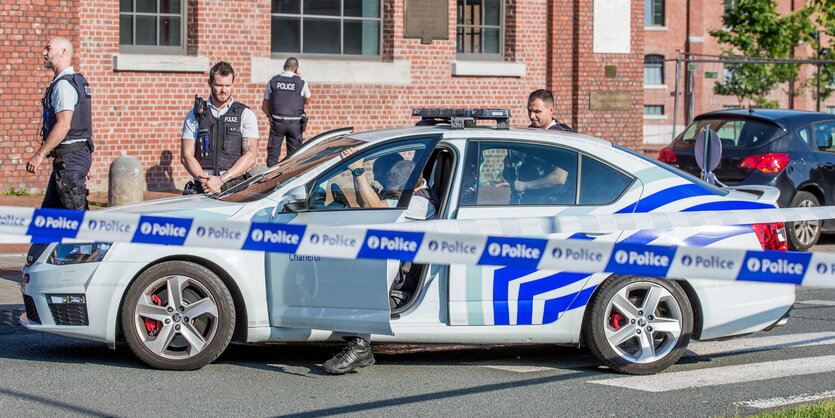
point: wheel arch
(812, 188)
(692, 297)
(240, 332)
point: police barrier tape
(582, 256)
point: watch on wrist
(357, 172)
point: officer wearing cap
(67, 130)
(219, 136)
(284, 100)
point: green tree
(823, 12)
(754, 28)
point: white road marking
(665, 382)
(788, 400)
(770, 342)
(817, 302)
(517, 369)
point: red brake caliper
(152, 325)
(617, 319)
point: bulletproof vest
(285, 96)
(559, 126)
(81, 125)
(425, 193)
(225, 138)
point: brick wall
(25, 26)
(141, 113)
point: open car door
(345, 294)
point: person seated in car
(532, 179)
(392, 173)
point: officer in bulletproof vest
(541, 111)
(67, 130)
(219, 136)
(284, 100)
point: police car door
(344, 294)
(491, 189)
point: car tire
(178, 315)
(619, 319)
(803, 235)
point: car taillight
(772, 236)
(666, 155)
(766, 163)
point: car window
(805, 134)
(291, 168)
(736, 133)
(825, 135)
(381, 167)
(505, 173)
(600, 184)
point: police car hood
(195, 206)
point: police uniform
(555, 125)
(286, 94)
(218, 136)
(73, 157)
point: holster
(72, 196)
(304, 121)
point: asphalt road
(44, 375)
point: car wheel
(178, 315)
(803, 235)
(638, 325)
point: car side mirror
(296, 199)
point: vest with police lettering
(285, 96)
(81, 126)
(225, 138)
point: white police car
(178, 307)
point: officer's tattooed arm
(56, 135)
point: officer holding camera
(219, 137)
(284, 100)
(67, 130)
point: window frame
(654, 61)
(651, 12)
(481, 56)
(341, 18)
(155, 49)
(405, 197)
(473, 147)
(658, 106)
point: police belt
(63, 149)
(278, 118)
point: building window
(730, 5)
(830, 109)
(480, 28)
(653, 69)
(348, 27)
(653, 109)
(654, 12)
(155, 26)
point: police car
(178, 307)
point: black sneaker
(356, 354)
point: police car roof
(481, 132)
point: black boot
(356, 354)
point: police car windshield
(265, 183)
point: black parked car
(788, 149)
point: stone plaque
(426, 19)
(610, 100)
(612, 26)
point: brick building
(683, 25)
(146, 59)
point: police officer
(219, 136)
(67, 130)
(284, 100)
(541, 111)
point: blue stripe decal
(663, 197)
(501, 280)
(629, 208)
(645, 236)
(584, 237)
(527, 291)
(554, 307)
(730, 205)
(705, 238)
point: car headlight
(78, 253)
